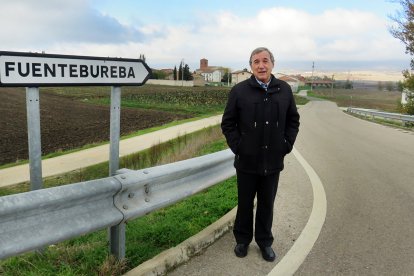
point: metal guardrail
(385, 115)
(39, 218)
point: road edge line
(297, 254)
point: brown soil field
(65, 123)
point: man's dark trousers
(248, 185)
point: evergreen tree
(187, 74)
(226, 77)
(175, 72)
(180, 72)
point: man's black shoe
(268, 254)
(241, 250)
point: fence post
(117, 232)
(34, 138)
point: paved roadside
(292, 209)
(81, 159)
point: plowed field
(65, 123)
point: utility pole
(313, 67)
(182, 72)
(228, 76)
(332, 84)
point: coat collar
(274, 85)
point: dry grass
(364, 98)
(187, 148)
(181, 148)
(111, 266)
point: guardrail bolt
(147, 199)
(125, 207)
(146, 172)
(123, 176)
(147, 189)
(131, 195)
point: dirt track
(65, 123)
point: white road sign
(28, 69)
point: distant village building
(320, 83)
(210, 73)
(169, 74)
(162, 74)
(239, 76)
(406, 95)
(404, 98)
(203, 64)
(293, 81)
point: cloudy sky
(336, 35)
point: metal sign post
(116, 233)
(33, 70)
(33, 132)
(114, 129)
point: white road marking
(310, 233)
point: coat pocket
(248, 143)
(249, 113)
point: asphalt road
(368, 175)
(292, 209)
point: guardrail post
(117, 232)
(33, 132)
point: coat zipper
(255, 115)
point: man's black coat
(260, 126)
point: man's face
(262, 66)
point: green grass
(146, 236)
(197, 101)
(169, 107)
(300, 100)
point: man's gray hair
(259, 50)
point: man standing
(260, 123)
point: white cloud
(43, 24)
(74, 27)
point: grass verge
(391, 123)
(146, 236)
